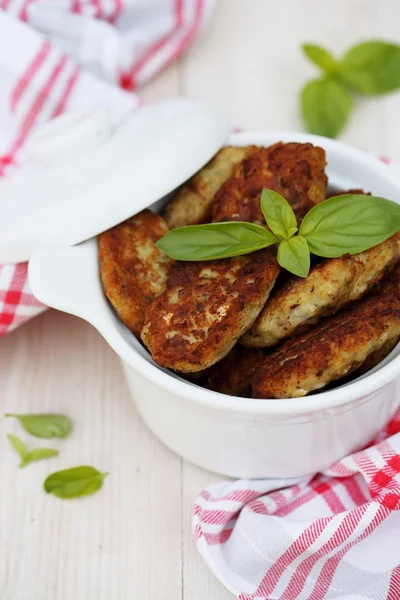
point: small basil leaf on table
(27, 456)
(215, 240)
(44, 425)
(349, 224)
(325, 106)
(294, 256)
(75, 482)
(18, 445)
(320, 57)
(278, 214)
(372, 68)
(38, 454)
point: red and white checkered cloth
(333, 536)
(58, 54)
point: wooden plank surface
(133, 540)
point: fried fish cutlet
(330, 286)
(191, 204)
(206, 307)
(333, 349)
(370, 362)
(296, 171)
(233, 374)
(133, 270)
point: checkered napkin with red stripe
(70, 54)
(335, 535)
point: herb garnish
(75, 482)
(369, 68)
(347, 224)
(27, 456)
(44, 425)
(70, 483)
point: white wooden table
(133, 540)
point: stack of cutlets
(237, 325)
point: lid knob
(69, 136)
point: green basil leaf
(294, 256)
(38, 454)
(45, 425)
(372, 68)
(320, 57)
(325, 106)
(26, 456)
(349, 224)
(75, 482)
(278, 213)
(18, 445)
(215, 240)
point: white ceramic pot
(235, 436)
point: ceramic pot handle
(66, 278)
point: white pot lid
(84, 175)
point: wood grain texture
(133, 539)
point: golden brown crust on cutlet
(376, 357)
(191, 205)
(296, 171)
(370, 362)
(206, 307)
(330, 285)
(334, 348)
(233, 374)
(132, 269)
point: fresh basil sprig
(27, 456)
(347, 224)
(44, 425)
(371, 68)
(75, 482)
